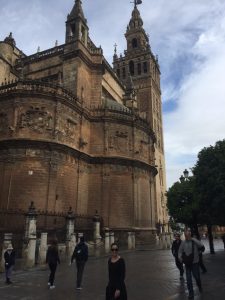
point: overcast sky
(189, 38)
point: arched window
(131, 67)
(134, 43)
(72, 29)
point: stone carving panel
(37, 119)
(142, 146)
(119, 141)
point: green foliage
(181, 202)
(209, 173)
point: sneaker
(52, 287)
(79, 288)
(49, 283)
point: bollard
(107, 240)
(43, 248)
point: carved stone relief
(119, 141)
(37, 119)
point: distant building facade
(76, 132)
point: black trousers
(179, 266)
(80, 270)
(201, 264)
(52, 268)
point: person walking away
(9, 257)
(52, 259)
(189, 254)
(116, 288)
(223, 239)
(80, 254)
(175, 247)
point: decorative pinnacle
(115, 48)
(136, 2)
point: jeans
(193, 270)
(80, 270)
(52, 268)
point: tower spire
(76, 24)
(77, 11)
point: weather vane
(136, 2)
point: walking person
(189, 254)
(223, 239)
(9, 257)
(80, 254)
(175, 247)
(52, 259)
(116, 288)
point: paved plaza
(151, 275)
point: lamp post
(184, 177)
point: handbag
(188, 259)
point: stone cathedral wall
(58, 154)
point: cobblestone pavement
(151, 275)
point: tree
(209, 173)
(182, 203)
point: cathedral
(76, 131)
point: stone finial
(70, 213)
(96, 217)
(56, 43)
(10, 40)
(32, 210)
(38, 49)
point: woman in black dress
(116, 288)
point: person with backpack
(80, 254)
(189, 254)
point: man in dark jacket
(174, 249)
(9, 257)
(80, 254)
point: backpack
(80, 252)
(188, 259)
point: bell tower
(76, 25)
(142, 65)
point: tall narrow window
(145, 67)
(131, 67)
(73, 28)
(82, 34)
(124, 73)
(139, 68)
(118, 72)
(134, 43)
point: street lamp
(185, 176)
(186, 173)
